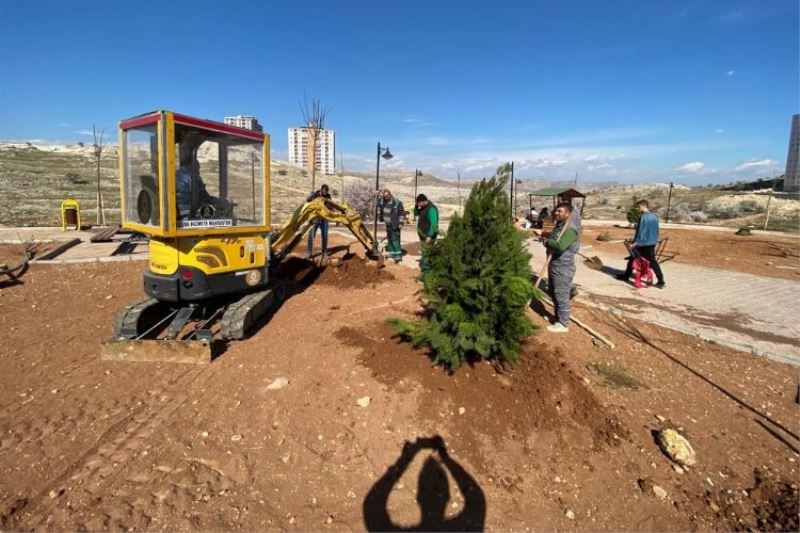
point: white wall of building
(791, 180)
(244, 121)
(300, 153)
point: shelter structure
(559, 195)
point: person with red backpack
(644, 245)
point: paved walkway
(744, 311)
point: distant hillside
(35, 179)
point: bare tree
(98, 154)
(314, 116)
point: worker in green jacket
(562, 245)
(427, 215)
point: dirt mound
(352, 272)
(539, 395)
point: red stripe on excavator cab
(139, 121)
(218, 126)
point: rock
(236, 438)
(109, 296)
(660, 418)
(364, 401)
(204, 434)
(660, 493)
(676, 447)
(54, 391)
(351, 494)
(461, 410)
(329, 520)
(278, 383)
(569, 514)
(678, 469)
(714, 507)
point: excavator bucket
(171, 351)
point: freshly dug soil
(541, 393)
(353, 272)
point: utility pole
(669, 199)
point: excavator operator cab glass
(187, 176)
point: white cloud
(63, 124)
(417, 121)
(752, 164)
(544, 163)
(730, 73)
(592, 158)
(692, 168)
(719, 130)
(84, 132)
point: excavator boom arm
(285, 238)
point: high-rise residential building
(300, 149)
(791, 180)
(244, 121)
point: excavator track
(135, 319)
(241, 315)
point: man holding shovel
(562, 245)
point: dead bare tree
(314, 115)
(98, 154)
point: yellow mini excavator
(201, 191)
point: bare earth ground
(561, 441)
(773, 256)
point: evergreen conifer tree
(478, 285)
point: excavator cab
(181, 175)
(200, 190)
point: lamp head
(387, 155)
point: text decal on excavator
(216, 223)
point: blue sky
(696, 91)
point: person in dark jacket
(427, 215)
(394, 216)
(321, 225)
(644, 243)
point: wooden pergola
(559, 195)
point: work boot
(558, 327)
(660, 285)
(573, 292)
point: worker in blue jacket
(644, 243)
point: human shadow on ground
(433, 492)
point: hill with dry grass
(35, 179)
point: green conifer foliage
(478, 285)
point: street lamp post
(387, 155)
(417, 174)
(669, 199)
